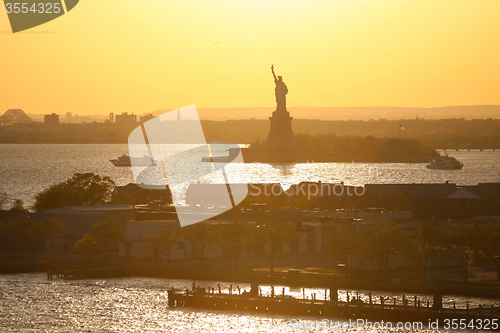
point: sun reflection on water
(30, 303)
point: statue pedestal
(281, 134)
(280, 146)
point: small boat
(126, 160)
(445, 163)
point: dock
(387, 309)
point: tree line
(479, 244)
(21, 232)
(235, 239)
(440, 133)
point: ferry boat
(445, 163)
(126, 160)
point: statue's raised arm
(272, 70)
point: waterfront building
(126, 119)
(146, 117)
(157, 194)
(51, 119)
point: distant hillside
(442, 133)
(321, 113)
(355, 113)
(75, 118)
(439, 133)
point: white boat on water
(445, 163)
(126, 160)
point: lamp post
(194, 274)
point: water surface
(31, 303)
(26, 169)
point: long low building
(139, 242)
(442, 200)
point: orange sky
(140, 56)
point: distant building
(112, 117)
(76, 119)
(490, 197)
(137, 244)
(51, 119)
(14, 116)
(69, 116)
(141, 195)
(146, 117)
(126, 119)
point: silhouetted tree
(17, 206)
(423, 244)
(16, 230)
(80, 190)
(50, 226)
(237, 238)
(122, 198)
(165, 240)
(380, 242)
(488, 251)
(271, 236)
(108, 229)
(464, 241)
(86, 245)
(23, 229)
(202, 235)
(340, 241)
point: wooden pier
(387, 309)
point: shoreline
(111, 270)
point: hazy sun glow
(139, 56)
